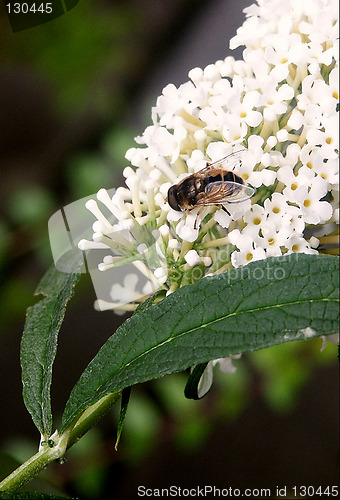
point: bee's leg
(195, 223)
(223, 208)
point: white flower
(276, 207)
(280, 105)
(273, 239)
(294, 182)
(297, 244)
(162, 142)
(249, 250)
(275, 98)
(192, 258)
(314, 211)
(173, 100)
(255, 218)
(329, 170)
(226, 366)
(245, 109)
(187, 228)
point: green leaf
(39, 341)
(191, 387)
(123, 409)
(267, 302)
(150, 301)
(29, 495)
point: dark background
(73, 94)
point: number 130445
(33, 8)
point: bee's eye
(172, 199)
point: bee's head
(173, 199)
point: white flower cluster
(280, 104)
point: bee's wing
(244, 194)
(218, 193)
(228, 162)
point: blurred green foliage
(89, 59)
(285, 371)
(141, 427)
(4, 241)
(89, 171)
(16, 294)
(30, 204)
(90, 465)
(72, 54)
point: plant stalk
(71, 435)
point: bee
(213, 185)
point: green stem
(90, 417)
(51, 452)
(27, 470)
(35, 464)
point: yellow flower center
(295, 248)
(276, 210)
(249, 256)
(307, 203)
(257, 221)
(293, 186)
(329, 140)
(271, 241)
